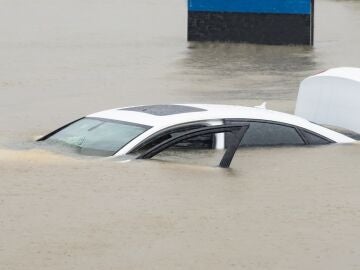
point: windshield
(98, 137)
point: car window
(200, 142)
(98, 137)
(235, 131)
(270, 134)
(314, 139)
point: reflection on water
(288, 208)
(236, 72)
(242, 71)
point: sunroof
(163, 110)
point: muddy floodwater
(280, 208)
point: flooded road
(287, 208)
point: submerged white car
(144, 131)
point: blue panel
(252, 6)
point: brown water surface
(283, 208)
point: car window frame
(168, 130)
(237, 130)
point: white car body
(329, 98)
(212, 115)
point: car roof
(163, 116)
(174, 114)
(160, 117)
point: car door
(205, 141)
(235, 134)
